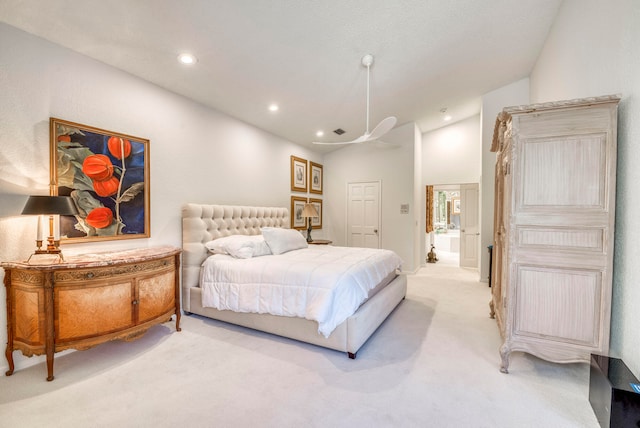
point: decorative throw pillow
(283, 240)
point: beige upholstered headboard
(202, 223)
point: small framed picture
(455, 206)
(298, 174)
(297, 205)
(315, 178)
(316, 222)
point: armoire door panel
(561, 259)
(562, 217)
(563, 172)
(558, 304)
(572, 239)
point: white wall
(594, 49)
(197, 154)
(451, 154)
(394, 167)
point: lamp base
(44, 258)
(53, 248)
(309, 238)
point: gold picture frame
(315, 178)
(316, 222)
(107, 175)
(297, 205)
(298, 174)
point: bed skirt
(347, 337)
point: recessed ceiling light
(186, 58)
(274, 107)
(445, 117)
(319, 134)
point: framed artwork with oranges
(107, 175)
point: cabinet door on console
(89, 310)
(156, 296)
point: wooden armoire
(555, 188)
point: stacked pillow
(273, 240)
(281, 241)
(240, 246)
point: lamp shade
(61, 205)
(309, 211)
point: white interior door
(363, 215)
(469, 225)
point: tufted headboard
(203, 223)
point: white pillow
(283, 240)
(260, 247)
(239, 246)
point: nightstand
(320, 242)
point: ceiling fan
(382, 128)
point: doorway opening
(453, 223)
(445, 236)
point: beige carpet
(433, 363)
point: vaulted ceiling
(304, 55)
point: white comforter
(322, 283)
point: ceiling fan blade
(360, 139)
(383, 127)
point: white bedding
(322, 283)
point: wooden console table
(88, 300)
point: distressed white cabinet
(554, 228)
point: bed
(202, 224)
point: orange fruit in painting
(106, 187)
(97, 167)
(100, 217)
(66, 138)
(117, 146)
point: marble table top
(107, 258)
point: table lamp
(308, 212)
(51, 206)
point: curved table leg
(504, 355)
(178, 321)
(50, 376)
(49, 325)
(9, 351)
(9, 354)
